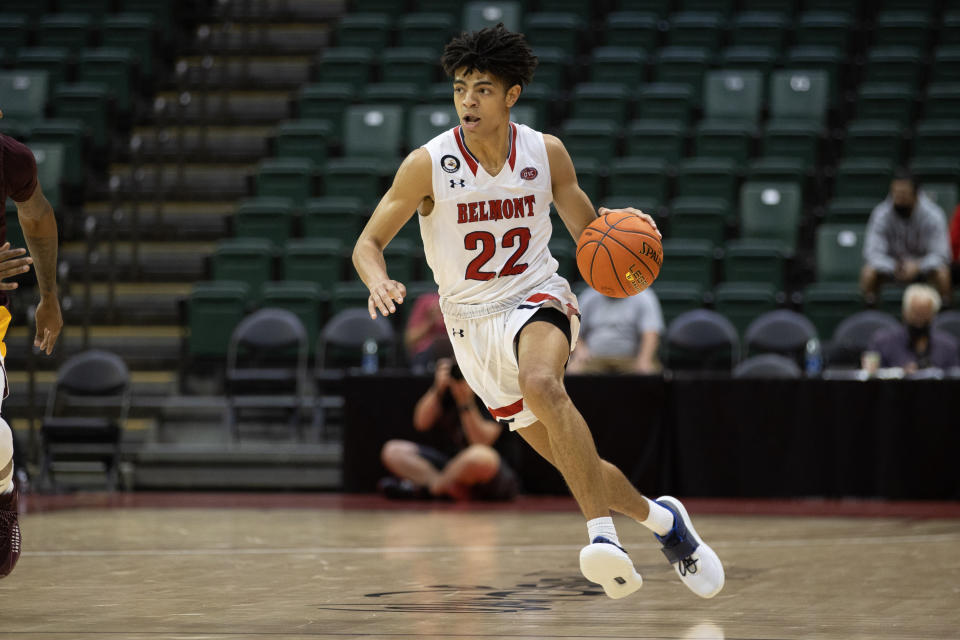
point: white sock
(660, 520)
(6, 457)
(602, 527)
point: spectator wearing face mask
(914, 345)
(906, 241)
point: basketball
(619, 254)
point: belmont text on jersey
(506, 209)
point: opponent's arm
(572, 203)
(411, 184)
(40, 231)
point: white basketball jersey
(486, 238)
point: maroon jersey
(18, 179)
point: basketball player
(483, 191)
(18, 180)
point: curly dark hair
(496, 50)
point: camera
(455, 372)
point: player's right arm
(412, 183)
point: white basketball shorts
(484, 346)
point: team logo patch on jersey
(449, 163)
(529, 173)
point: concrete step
(216, 144)
(225, 107)
(228, 71)
(159, 261)
(134, 302)
(263, 37)
(190, 181)
(146, 347)
(177, 220)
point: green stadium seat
(944, 194)
(839, 252)
(742, 302)
(552, 67)
(850, 8)
(725, 139)
(589, 176)
(936, 169)
(325, 101)
(683, 65)
(14, 231)
(759, 29)
(348, 295)
(94, 8)
(733, 95)
(53, 60)
(754, 260)
(51, 163)
(425, 122)
(352, 176)
(564, 251)
(797, 139)
(417, 65)
(893, 64)
(373, 130)
(339, 218)
(402, 256)
(891, 300)
(540, 98)
(477, 15)
(248, 260)
(943, 100)
(925, 6)
(583, 10)
(824, 29)
(136, 32)
(363, 30)
(818, 58)
(33, 10)
(850, 210)
(304, 139)
(114, 68)
(885, 101)
(214, 309)
(402, 94)
(87, 101)
(14, 30)
(269, 217)
(601, 101)
(827, 304)
(696, 29)
(656, 139)
(646, 175)
(946, 64)
(950, 28)
(390, 7)
(874, 138)
(430, 30)
(937, 138)
(777, 169)
(749, 58)
(435, 6)
(658, 8)
(586, 138)
(688, 260)
(799, 94)
(708, 177)
(632, 29)
(69, 133)
(317, 260)
(902, 28)
(622, 65)
(159, 10)
(772, 211)
(549, 29)
(723, 7)
(863, 177)
(787, 7)
(699, 218)
(305, 299)
(677, 297)
(25, 95)
(68, 30)
(286, 177)
(350, 65)
(666, 101)
(522, 114)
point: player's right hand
(383, 295)
(13, 262)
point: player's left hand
(646, 216)
(383, 295)
(49, 324)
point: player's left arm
(572, 203)
(39, 226)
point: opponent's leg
(9, 525)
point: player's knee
(541, 386)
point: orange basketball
(619, 254)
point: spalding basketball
(619, 254)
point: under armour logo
(453, 183)
(454, 332)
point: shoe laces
(688, 565)
(10, 531)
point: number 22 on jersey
(487, 243)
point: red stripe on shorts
(507, 411)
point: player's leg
(474, 465)
(9, 525)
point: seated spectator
(915, 345)
(618, 335)
(906, 241)
(425, 336)
(466, 466)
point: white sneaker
(607, 564)
(696, 563)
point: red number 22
(489, 247)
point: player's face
(482, 101)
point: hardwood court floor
(443, 572)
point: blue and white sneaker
(606, 563)
(696, 563)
